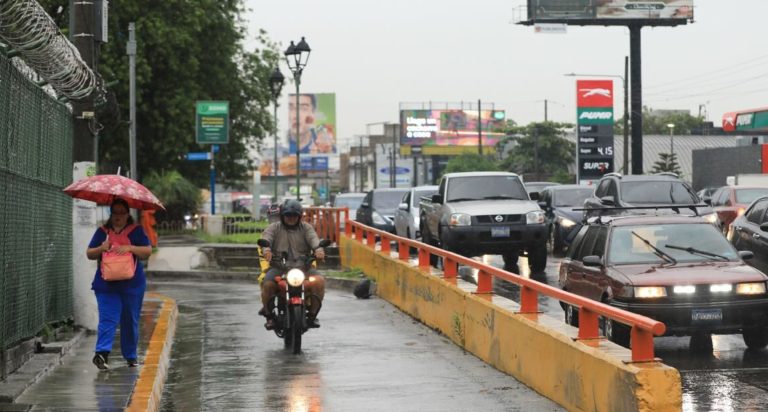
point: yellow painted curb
(536, 349)
(149, 387)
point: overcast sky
(376, 54)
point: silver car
(407, 213)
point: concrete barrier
(536, 349)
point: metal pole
(360, 158)
(297, 77)
(274, 161)
(626, 115)
(213, 183)
(131, 50)
(479, 129)
(546, 117)
(81, 28)
(637, 99)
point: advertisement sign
(212, 122)
(402, 174)
(746, 120)
(317, 123)
(579, 11)
(450, 127)
(594, 146)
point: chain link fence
(35, 215)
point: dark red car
(730, 202)
(676, 269)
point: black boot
(101, 360)
(312, 321)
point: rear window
(747, 196)
(572, 197)
(656, 192)
(387, 200)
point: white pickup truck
(477, 213)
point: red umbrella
(104, 189)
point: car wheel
(510, 262)
(571, 315)
(537, 258)
(701, 342)
(755, 338)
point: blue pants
(123, 308)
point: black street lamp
(297, 57)
(275, 86)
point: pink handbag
(118, 266)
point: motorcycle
(289, 309)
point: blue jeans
(123, 308)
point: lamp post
(275, 86)
(297, 56)
(625, 165)
(671, 127)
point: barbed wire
(26, 27)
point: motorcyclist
(294, 238)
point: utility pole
(637, 99)
(81, 25)
(360, 162)
(131, 51)
(546, 118)
(479, 129)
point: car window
(612, 190)
(368, 198)
(407, 198)
(755, 214)
(387, 200)
(417, 195)
(577, 241)
(588, 243)
(656, 192)
(602, 189)
(571, 197)
(722, 196)
(627, 245)
(601, 235)
(747, 196)
(480, 187)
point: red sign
(729, 121)
(594, 93)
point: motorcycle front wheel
(297, 328)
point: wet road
(717, 375)
(366, 356)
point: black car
(378, 208)
(558, 203)
(750, 232)
(537, 187)
(663, 189)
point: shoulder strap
(130, 228)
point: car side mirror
(403, 206)
(592, 260)
(437, 198)
(764, 227)
(263, 243)
(608, 200)
(364, 205)
(534, 195)
(746, 254)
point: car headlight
(684, 289)
(753, 288)
(565, 222)
(711, 218)
(378, 219)
(460, 219)
(532, 218)
(295, 277)
(724, 287)
(650, 292)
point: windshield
(746, 196)
(349, 201)
(656, 192)
(387, 200)
(683, 242)
(571, 197)
(481, 187)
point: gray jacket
(298, 240)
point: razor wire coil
(26, 27)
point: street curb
(36, 368)
(147, 393)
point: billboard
(594, 111)
(450, 127)
(317, 123)
(581, 11)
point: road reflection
(293, 383)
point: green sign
(594, 115)
(212, 122)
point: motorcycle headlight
(295, 277)
(460, 219)
(532, 218)
(378, 219)
(711, 218)
(566, 223)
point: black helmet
(291, 207)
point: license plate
(706, 315)
(501, 231)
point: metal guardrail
(643, 328)
(326, 221)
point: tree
(667, 163)
(470, 163)
(186, 51)
(540, 146)
(654, 123)
(178, 194)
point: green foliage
(470, 163)
(657, 123)
(178, 194)
(543, 142)
(667, 163)
(186, 51)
